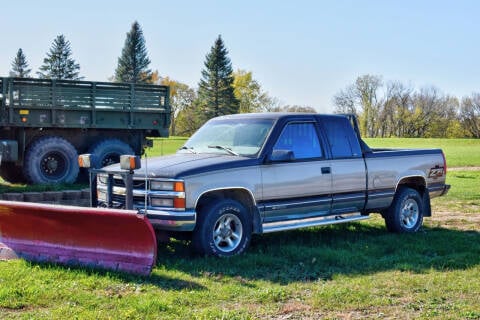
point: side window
(302, 139)
(343, 142)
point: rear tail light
(444, 163)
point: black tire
(107, 152)
(51, 160)
(12, 173)
(223, 229)
(405, 215)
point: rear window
(341, 137)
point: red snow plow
(119, 240)
(114, 239)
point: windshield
(230, 136)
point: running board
(312, 222)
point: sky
(301, 52)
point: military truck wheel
(405, 215)
(51, 160)
(223, 229)
(11, 173)
(108, 152)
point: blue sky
(302, 52)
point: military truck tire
(405, 215)
(223, 229)
(12, 173)
(107, 152)
(51, 160)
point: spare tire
(51, 160)
(107, 152)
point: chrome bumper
(171, 220)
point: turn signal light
(128, 162)
(85, 160)
(178, 186)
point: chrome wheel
(227, 232)
(409, 213)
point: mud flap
(112, 239)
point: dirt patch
(464, 169)
(455, 220)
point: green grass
(459, 152)
(335, 272)
(164, 146)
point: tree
(20, 66)
(362, 95)
(59, 63)
(216, 92)
(181, 98)
(133, 63)
(470, 114)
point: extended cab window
(340, 134)
(302, 139)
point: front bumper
(171, 220)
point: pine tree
(216, 92)
(59, 63)
(133, 63)
(20, 66)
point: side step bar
(312, 222)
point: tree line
(394, 109)
(384, 108)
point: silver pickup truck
(267, 172)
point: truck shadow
(320, 253)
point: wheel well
(241, 195)
(417, 183)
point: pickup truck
(259, 173)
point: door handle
(326, 170)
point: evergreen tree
(216, 92)
(133, 63)
(59, 63)
(20, 66)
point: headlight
(177, 186)
(160, 202)
(162, 185)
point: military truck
(46, 123)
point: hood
(185, 164)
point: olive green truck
(46, 123)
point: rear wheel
(51, 160)
(108, 152)
(405, 215)
(223, 229)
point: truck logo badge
(436, 173)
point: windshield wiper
(190, 149)
(230, 151)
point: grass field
(350, 271)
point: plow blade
(119, 240)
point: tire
(51, 160)
(223, 229)
(405, 215)
(107, 152)
(12, 173)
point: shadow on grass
(320, 253)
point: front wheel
(223, 229)
(51, 160)
(405, 215)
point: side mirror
(281, 156)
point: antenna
(146, 183)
